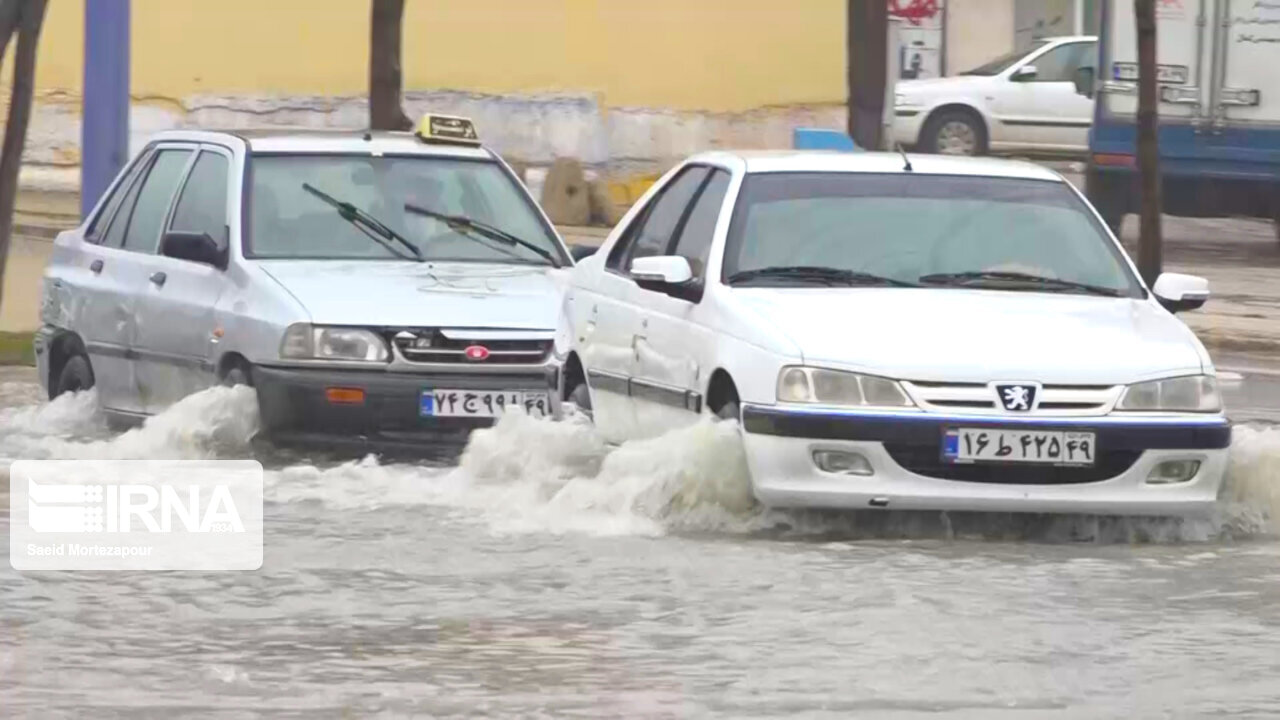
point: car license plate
(481, 403)
(975, 445)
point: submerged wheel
(237, 375)
(580, 396)
(76, 375)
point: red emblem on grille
(477, 353)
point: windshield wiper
(468, 227)
(834, 277)
(372, 226)
(1004, 280)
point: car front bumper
(905, 449)
(295, 408)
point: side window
(98, 228)
(202, 207)
(694, 244)
(114, 236)
(143, 233)
(1060, 63)
(652, 231)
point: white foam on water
(216, 422)
(530, 475)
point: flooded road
(545, 575)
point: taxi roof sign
(447, 129)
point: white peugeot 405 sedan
(908, 333)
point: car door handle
(95, 267)
(158, 278)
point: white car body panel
(645, 354)
(1019, 116)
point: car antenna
(906, 161)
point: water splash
(218, 422)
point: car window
(907, 227)
(1002, 63)
(289, 218)
(653, 230)
(202, 207)
(124, 189)
(1060, 64)
(694, 244)
(143, 233)
(114, 236)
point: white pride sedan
(931, 333)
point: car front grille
(926, 460)
(981, 398)
(442, 347)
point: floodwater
(545, 575)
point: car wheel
(580, 396)
(237, 375)
(954, 132)
(76, 375)
(730, 411)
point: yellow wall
(682, 54)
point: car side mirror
(1024, 73)
(582, 252)
(194, 247)
(1178, 292)
(667, 274)
(1084, 79)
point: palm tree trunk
(866, 40)
(1150, 252)
(385, 77)
(29, 18)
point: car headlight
(899, 100)
(1193, 393)
(303, 341)
(833, 387)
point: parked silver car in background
(384, 288)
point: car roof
(780, 161)
(306, 140)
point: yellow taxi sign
(447, 129)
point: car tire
(580, 396)
(730, 411)
(76, 375)
(954, 132)
(238, 375)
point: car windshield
(1004, 62)
(330, 207)
(814, 229)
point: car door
(94, 297)
(1043, 110)
(607, 341)
(674, 347)
(140, 241)
(175, 337)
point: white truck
(1219, 109)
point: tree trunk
(1150, 252)
(30, 18)
(385, 112)
(867, 35)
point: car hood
(394, 293)
(980, 335)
